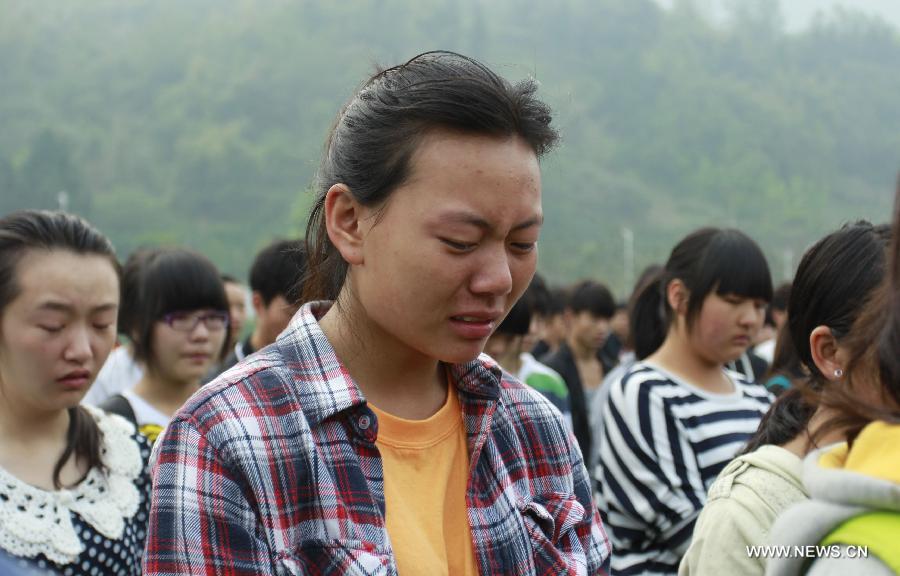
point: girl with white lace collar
(73, 480)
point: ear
(256, 300)
(343, 221)
(825, 353)
(677, 296)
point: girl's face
(726, 326)
(454, 247)
(186, 345)
(57, 332)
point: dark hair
(593, 297)
(872, 348)
(42, 230)
(557, 300)
(229, 279)
(162, 280)
(779, 302)
(785, 363)
(518, 320)
(538, 295)
(726, 261)
(834, 279)
(644, 340)
(278, 270)
(788, 416)
(375, 136)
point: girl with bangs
(175, 311)
(675, 419)
(74, 481)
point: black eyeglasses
(188, 321)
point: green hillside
(200, 122)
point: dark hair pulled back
(28, 230)
(834, 279)
(376, 134)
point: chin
(461, 355)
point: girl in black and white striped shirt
(675, 419)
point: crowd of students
(412, 399)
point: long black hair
(835, 278)
(28, 230)
(376, 134)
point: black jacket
(564, 363)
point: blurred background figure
(616, 345)
(507, 345)
(835, 278)
(854, 488)
(74, 484)
(175, 311)
(276, 282)
(776, 316)
(589, 307)
(121, 369)
(552, 330)
(673, 421)
(237, 308)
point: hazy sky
(799, 13)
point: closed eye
(524, 246)
(51, 329)
(459, 246)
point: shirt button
(364, 422)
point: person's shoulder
(524, 404)
(261, 376)
(641, 377)
(750, 389)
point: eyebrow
(479, 222)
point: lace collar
(35, 521)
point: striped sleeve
(651, 482)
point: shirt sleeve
(201, 521)
(652, 488)
(589, 531)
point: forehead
(477, 172)
(65, 278)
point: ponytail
(83, 440)
(647, 318)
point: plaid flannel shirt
(273, 469)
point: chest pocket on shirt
(330, 557)
(548, 519)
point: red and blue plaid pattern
(273, 469)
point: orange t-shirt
(426, 472)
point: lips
(75, 380)
(197, 357)
(474, 325)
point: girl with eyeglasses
(74, 484)
(175, 311)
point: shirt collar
(328, 389)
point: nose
(751, 315)
(200, 331)
(493, 276)
(78, 349)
